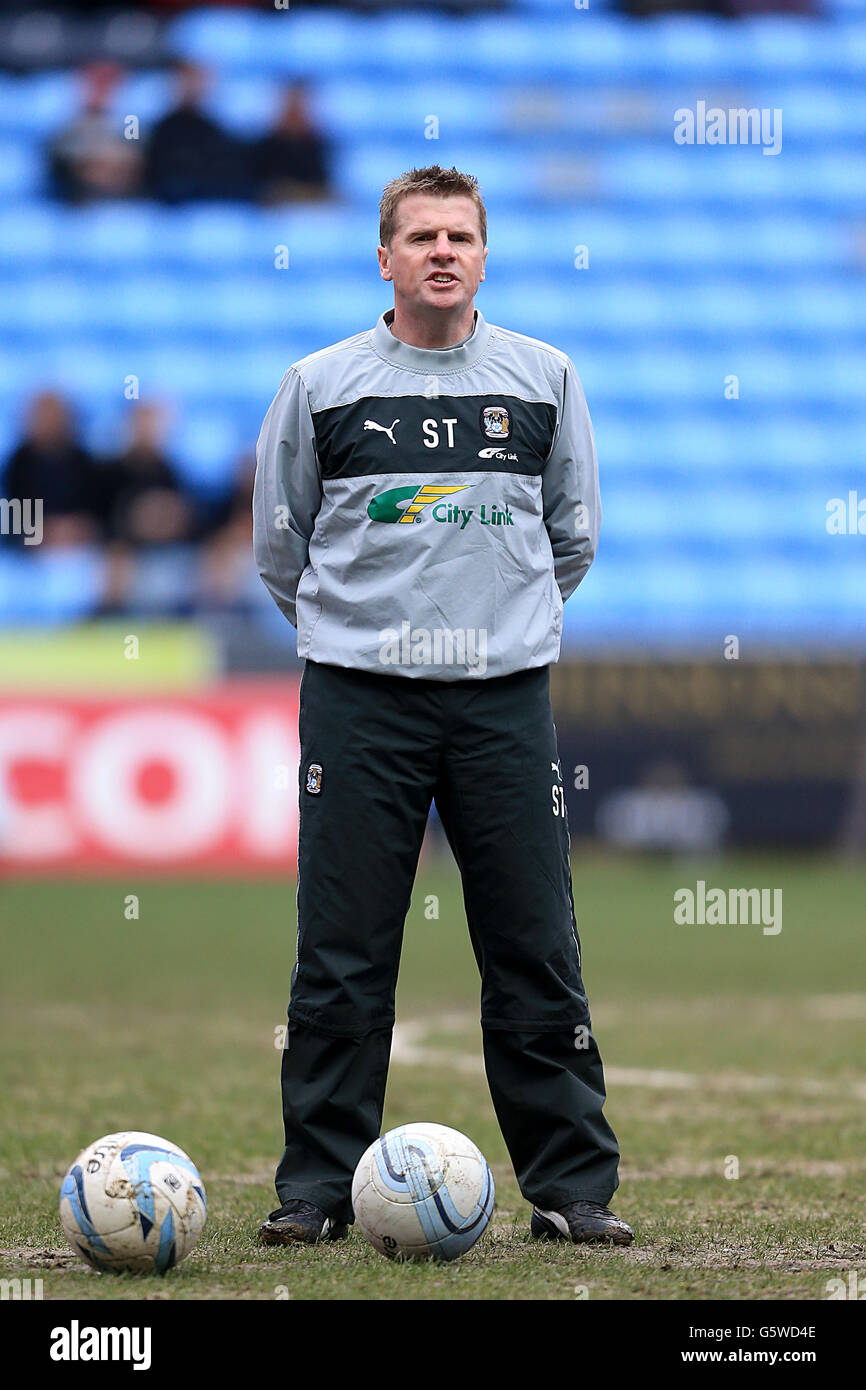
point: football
(423, 1192)
(133, 1201)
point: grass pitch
(735, 1068)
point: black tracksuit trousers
(485, 750)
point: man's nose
(443, 246)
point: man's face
(436, 258)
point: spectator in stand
(145, 503)
(291, 162)
(189, 156)
(50, 464)
(90, 159)
(146, 508)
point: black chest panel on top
(421, 434)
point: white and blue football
(423, 1192)
(133, 1201)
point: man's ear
(483, 265)
(384, 262)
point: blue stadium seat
(21, 168)
(46, 586)
(38, 105)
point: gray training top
(426, 512)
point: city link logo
(405, 505)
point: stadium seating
(704, 264)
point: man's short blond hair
(443, 183)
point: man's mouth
(442, 277)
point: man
(291, 162)
(426, 498)
(189, 156)
(89, 159)
(51, 465)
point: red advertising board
(173, 783)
